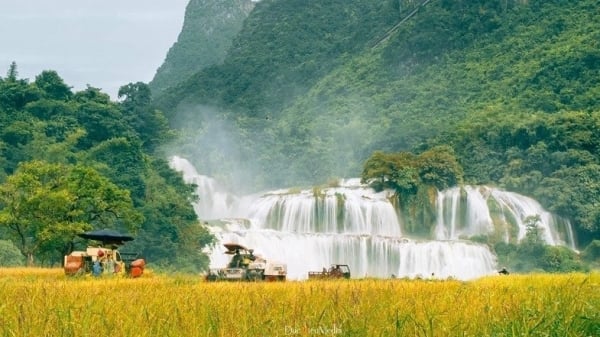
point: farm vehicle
(104, 259)
(245, 266)
(99, 261)
(334, 272)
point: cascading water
(350, 209)
(214, 202)
(465, 216)
(354, 225)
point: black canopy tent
(106, 236)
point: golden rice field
(43, 302)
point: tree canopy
(76, 161)
(44, 206)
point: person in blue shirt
(96, 268)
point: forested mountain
(208, 29)
(407, 93)
(309, 90)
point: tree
(46, 205)
(405, 172)
(592, 251)
(396, 171)
(574, 192)
(100, 202)
(53, 85)
(439, 167)
(12, 74)
(123, 161)
(10, 256)
(102, 121)
(16, 93)
(51, 109)
(532, 248)
(533, 231)
(91, 94)
(135, 95)
(558, 259)
(150, 124)
(377, 170)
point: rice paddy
(44, 302)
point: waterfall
(367, 256)
(352, 224)
(511, 209)
(342, 210)
(213, 202)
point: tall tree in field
(44, 206)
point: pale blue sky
(103, 43)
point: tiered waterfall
(352, 224)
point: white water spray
(354, 225)
(513, 210)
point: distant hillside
(447, 67)
(208, 30)
(283, 48)
(308, 81)
(310, 89)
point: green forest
(410, 95)
(76, 161)
(311, 93)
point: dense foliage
(413, 178)
(208, 30)
(551, 157)
(76, 161)
(310, 90)
(405, 172)
(10, 256)
(533, 254)
(44, 207)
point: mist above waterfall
(214, 145)
(264, 150)
(352, 224)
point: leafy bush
(483, 239)
(591, 253)
(10, 256)
(560, 259)
(530, 257)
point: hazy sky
(103, 43)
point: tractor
(245, 266)
(104, 258)
(335, 271)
